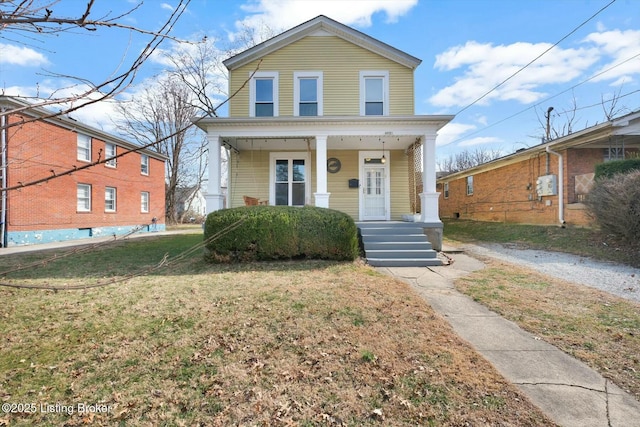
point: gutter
(3, 180)
(560, 185)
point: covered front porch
(358, 165)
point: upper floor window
(84, 198)
(110, 151)
(144, 164)
(307, 93)
(469, 185)
(374, 93)
(263, 97)
(84, 147)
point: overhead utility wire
(551, 97)
(536, 58)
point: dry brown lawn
(296, 343)
(598, 328)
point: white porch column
(321, 196)
(214, 196)
(429, 196)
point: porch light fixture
(383, 160)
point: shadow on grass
(122, 258)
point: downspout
(3, 181)
(560, 185)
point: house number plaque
(333, 165)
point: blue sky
(467, 48)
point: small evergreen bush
(614, 203)
(281, 232)
(609, 169)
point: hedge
(280, 232)
(609, 169)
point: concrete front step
(391, 230)
(418, 254)
(399, 246)
(393, 238)
(404, 262)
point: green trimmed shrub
(609, 169)
(280, 232)
(615, 205)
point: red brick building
(110, 198)
(544, 184)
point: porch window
(307, 93)
(470, 185)
(264, 94)
(374, 93)
(289, 179)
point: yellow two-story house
(323, 115)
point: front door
(374, 187)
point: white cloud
(617, 46)
(481, 140)
(22, 56)
(452, 132)
(166, 6)
(285, 14)
(486, 66)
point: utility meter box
(547, 185)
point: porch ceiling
(346, 142)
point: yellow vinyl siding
(342, 197)
(249, 176)
(340, 61)
(399, 185)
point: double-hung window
(144, 164)
(374, 93)
(446, 190)
(307, 93)
(84, 198)
(110, 151)
(289, 183)
(84, 147)
(470, 185)
(144, 202)
(263, 97)
(110, 199)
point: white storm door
(374, 187)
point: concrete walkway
(567, 390)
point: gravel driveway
(617, 279)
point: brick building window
(470, 185)
(84, 198)
(144, 202)
(110, 199)
(446, 190)
(144, 164)
(110, 151)
(84, 147)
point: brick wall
(40, 149)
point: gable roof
(322, 25)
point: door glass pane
(282, 194)
(298, 170)
(282, 170)
(264, 90)
(308, 90)
(297, 191)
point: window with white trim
(144, 164)
(289, 180)
(110, 151)
(446, 190)
(84, 147)
(470, 185)
(307, 93)
(83, 198)
(374, 93)
(144, 201)
(110, 199)
(263, 94)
